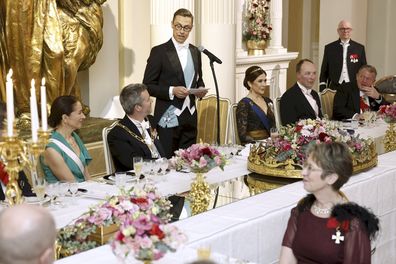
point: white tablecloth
(253, 228)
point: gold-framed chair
(327, 102)
(207, 119)
(233, 129)
(108, 158)
(278, 120)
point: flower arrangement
(146, 237)
(256, 24)
(294, 140)
(200, 158)
(138, 209)
(388, 113)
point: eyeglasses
(309, 168)
(185, 28)
(345, 29)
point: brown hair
(63, 105)
(300, 63)
(369, 68)
(251, 75)
(332, 158)
(184, 13)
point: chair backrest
(207, 119)
(233, 129)
(327, 102)
(108, 158)
(278, 120)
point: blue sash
(259, 112)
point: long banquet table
(252, 229)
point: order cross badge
(337, 237)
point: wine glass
(39, 188)
(73, 189)
(52, 190)
(137, 166)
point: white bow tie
(182, 46)
(145, 125)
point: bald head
(27, 235)
(344, 30)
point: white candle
(43, 95)
(33, 111)
(32, 114)
(10, 105)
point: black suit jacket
(332, 63)
(294, 106)
(347, 103)
(124, 147)
(163, 70)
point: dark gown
(311, 240)
(249, 125)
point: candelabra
(16, 154)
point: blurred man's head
(366, 76)
(27, 235)
(344, 30)
(306, 73)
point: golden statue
(48, 38)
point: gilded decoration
(285, 155)
(53, 39)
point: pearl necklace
(321, 211)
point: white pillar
(161, 18)
(275, 46)
(239, 11)
(217, 21)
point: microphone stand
(218, 120)
(218, 105)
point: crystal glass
(39, 188)
(137, 166)
(52, 190)
(73, 189)
(120, 179)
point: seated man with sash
(254, 114)
(132, 136)
(65, 157)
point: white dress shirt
(344, 77)
(309, 97)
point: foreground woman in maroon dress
(324, 227)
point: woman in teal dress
(65, 157)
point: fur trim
(350, 210)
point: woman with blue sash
(254, 114)
(65, 158)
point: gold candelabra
(199, 195)
(16, 154)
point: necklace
(321, 211)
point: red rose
(156, 231)
(298, 128)
(323, 136)
(139, 201)
(120, 236)
(206, 151)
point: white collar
(180, 46)
(140, 124)
(346, 43)
(304, 89)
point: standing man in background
(173, 68)
(341, 60)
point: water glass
(73, 189)
(52, 190)
(120, 179)
(274, 133)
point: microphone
(210, 55)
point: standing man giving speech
(173, 69)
